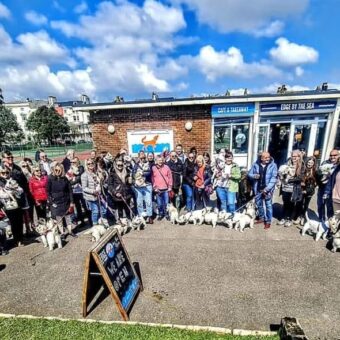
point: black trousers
(41, 210)
(291, 210)
(81, 207)
(16, 221)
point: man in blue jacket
(263, 176)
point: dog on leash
(334, 227)
(195, 217)
(211, 216)
(246, 218)
(173, 213)
(315, 228)
(49, 233)
(97, 231)
(138, 223)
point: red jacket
(38, 188)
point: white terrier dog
(173, 213)
(97, 231)
(211, 217)
(315, 228)
(195, 217)
(49, 233)
(138, 223)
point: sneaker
(297, 221)
(288, 224)
(267, 225)
(281, 222)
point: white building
(77, 120)
(22, 110)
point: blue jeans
(188, 192)
(162, 202)
(144, 196)
(323, 204)
(93, 206)
(227, 198)
(260, 201)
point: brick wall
(153, 119)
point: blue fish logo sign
(110, 250)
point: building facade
(246, 125)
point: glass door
(262, 138)
(279, 135)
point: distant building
(22, 110)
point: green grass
(17, 328)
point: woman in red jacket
(38, 189)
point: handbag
(297, 193)
(209, 189)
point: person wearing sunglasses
(324, 201)
(188, 181)
(119, 188)
(60, 198)
(176, 167)
(38, 189)
(10, 197)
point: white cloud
(214, 64)
(272, 88)
(299, 71)
(81, 8)
(4, 11)
(36, 18)
(274, 29)
(40, 82)
(32, 48)
(292, 54)
(129, 56)
(244, 15)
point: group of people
(107, 188)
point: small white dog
(315, 228)
(334, 226)
(49, 233)
(123, 225)
(181, 219)
(173, 213)
(247, 218)
(97, 231)
(138, 223)
(211, 217)
(195, 217)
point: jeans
(188, 192)
(227, 199)
(323, 204)
(266, 215)
(93, 206)
(162, 202)
(144, 197)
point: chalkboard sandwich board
(108, 263)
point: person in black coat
(60, 198)
(188, 181)
(176, 167)
(119, 187)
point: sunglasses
(24, 166)
(4, 172)
(9, 157)
(89, 163)
(333, 155)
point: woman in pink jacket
(161, 178)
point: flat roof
(171, 101)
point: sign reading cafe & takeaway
(227, 110)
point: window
(74, 118)
(233, 136)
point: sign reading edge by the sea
(108, 263)
(317, 106)
(155, 141)
(227, 110)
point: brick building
(246, 124)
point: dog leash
(242, 206)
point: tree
(10, 131)
(46, 123)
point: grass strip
(17, 328)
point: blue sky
(173, 47)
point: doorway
(278, 148)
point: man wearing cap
(263, 176)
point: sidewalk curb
(219, 330)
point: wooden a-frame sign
(108, 263)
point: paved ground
(191, 275)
